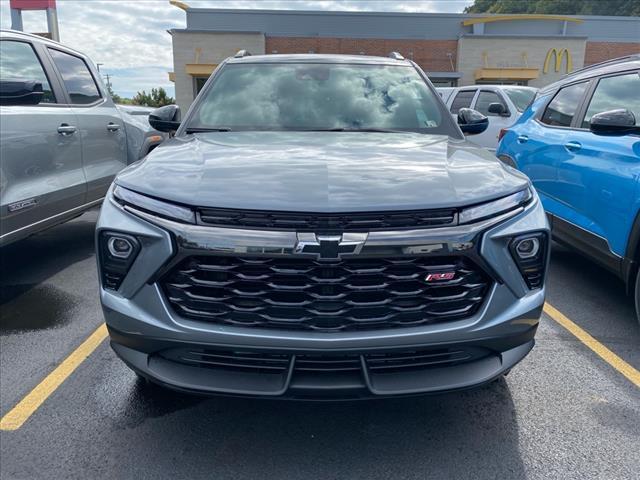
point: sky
(129, 37)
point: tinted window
(77, 78)
(563, 107)
(486, 98)
(319, 97)
(613, 93)
(19, 62)
(462, 100)
(521, 97)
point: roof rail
(396, 56)
(242, 54)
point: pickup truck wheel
(637, 295)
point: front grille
(290, 293)
(327, 222)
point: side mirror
(20, 92)
(165, 119)
(497, 108)
(614, 122)
(472, 122)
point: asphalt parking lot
(564, 412)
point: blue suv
(579, 143)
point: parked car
(502, 104)
(319, 227)
(62, 139)
(579, 142)
(445, 92)
(141, 136)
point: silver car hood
(321, 171)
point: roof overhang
(507, 18)
(511, 73)
(444, 74)
(200, 69)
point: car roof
(16, 34)
(318, 58)
(497, 87)
(631, 62)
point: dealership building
(453, 49)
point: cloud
(130, 37)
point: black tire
(637, 295)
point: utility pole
(99, 65)
(108, 77)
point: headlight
(153, 206)
(496, 207)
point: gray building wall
(403, 25)
(206, 48)
(219, 33)
(521, 52)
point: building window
(198, 83)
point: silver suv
(320, 228)
(62, 140)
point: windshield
(289, 96)
(521, 97)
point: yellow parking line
(29, 404)
(603, 352)
(19, 414)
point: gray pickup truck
(62, 139)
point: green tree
(558, 7)
(157, 98)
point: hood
(321, 171)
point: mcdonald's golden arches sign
(557, 54)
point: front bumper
(154, 341)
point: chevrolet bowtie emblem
(330, 247)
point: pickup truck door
(41, 172)
(460, 99)
(489, 138)
(104, 141)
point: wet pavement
(562, 413)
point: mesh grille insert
(292, 293)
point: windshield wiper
(207, 129)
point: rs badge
(437, 277)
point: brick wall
(601, 51)
(431, 55)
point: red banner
(32, 4)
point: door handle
(573, 146)
(66, 129)
(112, 127)
(523, 139)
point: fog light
(117, 252)
(120, 247)
(530, 254)
(527, 247)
